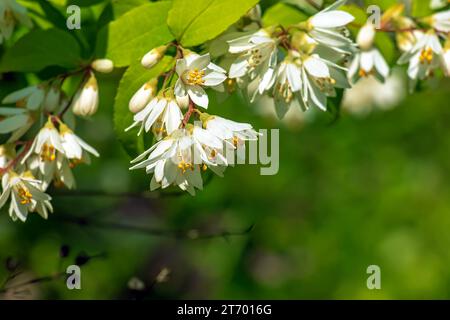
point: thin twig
(192, 234)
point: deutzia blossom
(85, 102)
(369, 60)
(25, 195)
(441, 21)
(424, 57)
(326, 27)
(256, 55)
(10, 13)
(285, 83)
(233, 133)
(446, 57)
(42, 155)
(195, 72)
(162, 114)
(75, 148)
(319, 80)
(30, 97)
(179, 158)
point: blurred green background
(348, 194)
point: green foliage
(39, 49)
(194, 22)
(132, 80)
(128, 38)
(386, 46)
(283, 14)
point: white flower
(42, 155)
(179, 158)
(11, 13)
(234, 134)
(257, 55)
(424, 57)
(285, 83)
(162, 114)
(103, 65)
(441, 21)
(16, 121)
(30, 97)
(319, 80)
(143, 96)
(326, 27)
(85, 102)
(367, 63)
(25, 195)
(74, 147)
(153, 56)
(195, 72)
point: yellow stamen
(48, 153)
(426, 55)
(195, 77)
(24, 194)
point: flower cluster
(183, 149)
(28, 167)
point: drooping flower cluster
(29, 167)
(289, 65)
(184, 149)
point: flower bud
(103, 65)
(85, 102)
(52, 97)
(143, 96)
(153, 57)
(183, 102)
(366, 36)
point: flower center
(363, 73)
(74, 162)
(235, 141)
(24, 195)
(426, 56)
(48, 153)
(255, 58)
(183, 166)
(285, 91)
(195, 77)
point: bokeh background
(371, 187)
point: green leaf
(421, 8)
(53, 14)
(39, 49)
(283, 14)
(196, 21)
(386, 46)
(130, 37)
(133, 79)
(84, 3)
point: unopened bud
(85, 102)
(366, 36)
(103, 65)
(143, 96)
(153, 56)
(183, 102)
